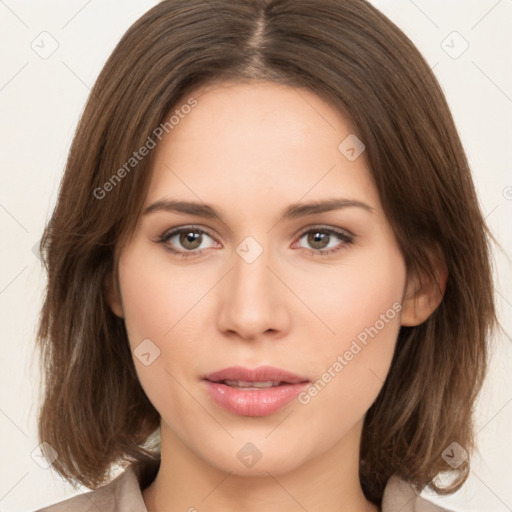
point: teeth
(246, 384)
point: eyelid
(169, 233)
(322, 227)
(179, 229)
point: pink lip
(254, 402)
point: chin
(254, 455)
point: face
(314, 293)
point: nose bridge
(250, 280)
(251, 273)
(252, 303)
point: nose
(253, 302)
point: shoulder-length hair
(94, 412)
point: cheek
(362, 309)
(156, 297)
(157, 304)
(348, 383)
(354, 295)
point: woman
(268, 275)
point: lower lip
(253, 402)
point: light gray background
(41, 100)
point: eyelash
(165, 237)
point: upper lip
(260, 374)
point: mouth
(253, 392)
(263, 376)
(242, 384)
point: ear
(113, 295)
(424, 293)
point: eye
(189, 241)
(322, 240)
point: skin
(250, 151)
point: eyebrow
(293, 211)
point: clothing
(123, 494)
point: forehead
(262, 142)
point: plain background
(41, 99)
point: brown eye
(190, 240)
(318, 239)
(325, 240)
(187, 241)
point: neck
(186, 482)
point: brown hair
(95, 412)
